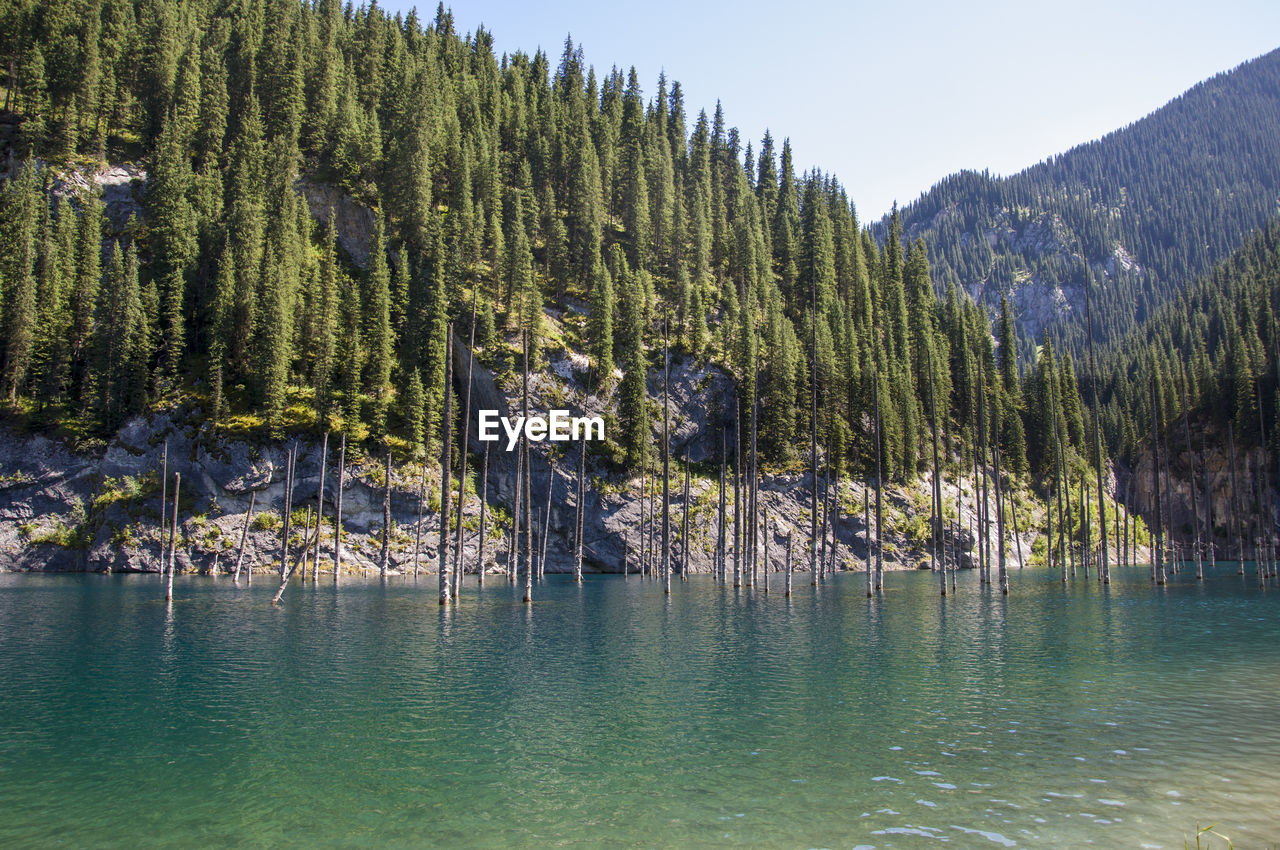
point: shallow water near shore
(607, 714)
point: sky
(892, 97)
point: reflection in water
(611, 713)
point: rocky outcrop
(1253, 498)
(353, 222)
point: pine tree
(377, 331)
(601, 325)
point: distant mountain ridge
(1151, 206)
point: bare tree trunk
(164, 477)
(513, 553)
(1002, 574)
(866, 533)
(879, 491)
(577, 515)
(813, 431)
(1048, 533)
(1085, 540)
(306, 535)
(1236, 506)
(1168, 495)
(684, 531)
(315, 556)
(458, 567)
(528, 461)
(666, 465)
(1261, 556)
(936, 515)
(1191, 477)
(720, 529)
(1128, 500)
(286, 513)
(546, 521)
(417, 535)
(1115, 505)
(766, 553)
(1157, 559)
(484, 505)
(737, 495)
(302, 555)
(244, 538)
(337, 518)
(1017, 539)
(826, 506)
(173, 536)
(384, 556)
(753, 490)
(1104, 572)
(626, 539)
(789, 566)
(580, 521)
(446, 488)
(984, 520)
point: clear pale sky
(891, 97)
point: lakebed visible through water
(607, 714)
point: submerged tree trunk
(384, 557)
(458, 567)
(684, 531)
(1086, 538)
(513, 551)
(813, 430)
(446, 487)
(337, 518)
(528, 461)
(579, 509)
(789, 565)
(315, 555)
(720, 529)
(244, 537)
(285, 513)
(737, 497)
(1157, 559)
(484, 505)
(936, 516)
(546, 521)
(1104, 571)
(1191, 477)
(164, 490)
(984, 513)
(866, 525)
(417, 535)
(1128, 500)
(879, 492)
(173, 536)
(1235, 501)
(666, 468)
(1002, 571)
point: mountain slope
(1150, 206)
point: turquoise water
(608, 715)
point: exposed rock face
(123, 187)
(1044, 239)
(1251, 483)
(64, 511)
(353, 222)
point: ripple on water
(367, 716)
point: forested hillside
(1214, 350)
(1149, 207)
(569, 203)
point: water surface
(608, 714)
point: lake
(608, 714)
